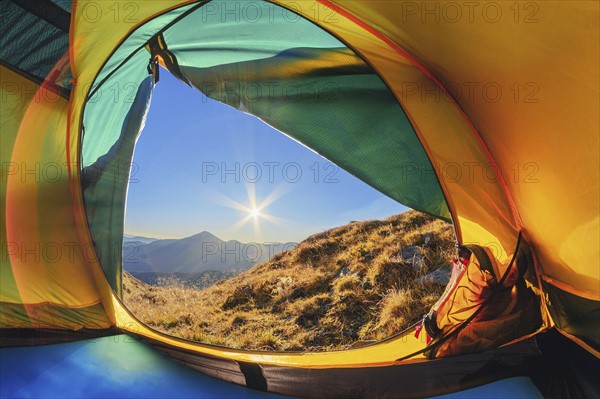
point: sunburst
(254, 211)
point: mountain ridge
(194, 254)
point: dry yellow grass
(334, 290)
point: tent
(482, 113)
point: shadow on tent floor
(122, 367)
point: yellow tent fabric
(42, 247)
(505, 102)
(523, 61)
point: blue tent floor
(123, 367)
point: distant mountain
(138, 239)
(198, 253)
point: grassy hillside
(341, 288)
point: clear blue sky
(198, 160)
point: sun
(255, 213)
